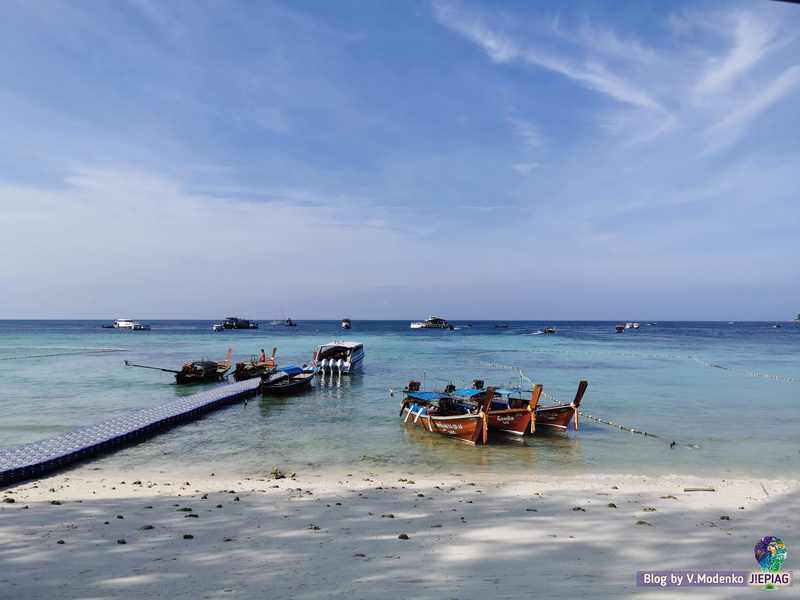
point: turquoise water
(727, 394)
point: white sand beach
(89, 534)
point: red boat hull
(513, 420)
(464, 427)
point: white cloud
(528, 131)
(750, 44)
(732, 127)
(526, 168)
(592, 73)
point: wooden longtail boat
(510, 410)
(556, 416)
(255, 368)
(440, 413)
(286, 380)
(196, 371)
(508, 414)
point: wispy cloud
(750, 43)
(504, 47)
(732, 127)
(528, 131)
(526, 168)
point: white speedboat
(431, 323)
(130, 324)
(340, 356)
(218, 327)
(346, 324)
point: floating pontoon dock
(39, 458)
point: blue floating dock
(39, 458)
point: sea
(680, 398)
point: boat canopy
(427, 396)
(291, 370)
(468, 392)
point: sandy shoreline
(86, 533)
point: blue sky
(618, 159)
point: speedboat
(217, 327)
(432, 323)
(130, 324)
(345, 323)
(339, 356)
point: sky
(197, 159)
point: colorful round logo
(770, 554)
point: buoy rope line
(668, 356)
(705, 364)
(75, 351)
(599, 420)
(523, 376)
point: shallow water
(726, 393)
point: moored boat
(440, 413)
(238, 323)
(340, 356)
(559, 416)
(130, 324)
(508, 411)
(286, 380)
(432, 323)
(619, 328)
(517, 411)
(256, 367)
(196, 371)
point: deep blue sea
(727, 394)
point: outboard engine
(323, 364)
(413, 386)
(477, 384)
(339, 364)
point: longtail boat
(507, 412)
(511, 411)
(196, 371)
(440, 413)
(558, 416)
(555, 416)
(255, 367)
(286, 380)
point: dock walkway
(39, 458)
